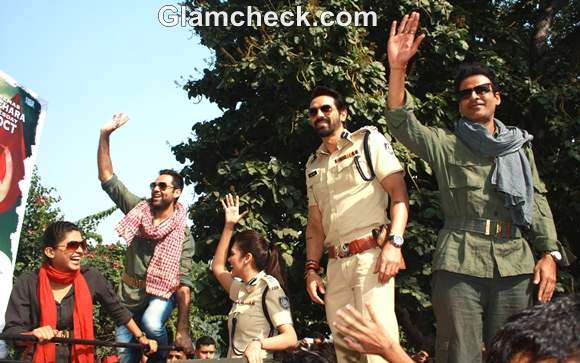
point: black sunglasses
(74, 245)
(162, 186)
(479, 90)
(313, 111)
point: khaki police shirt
(350, 206)
(248, 315)
(464, 181)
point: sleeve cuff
(398, 116)
(107, 184)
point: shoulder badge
(273, 284)
(284, 302)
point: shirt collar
(345, 137)
(251, 285)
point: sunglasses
(313, 111)
(479, 90)
(162, 186)
(72, 246)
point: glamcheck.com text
(171, 15)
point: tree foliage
(261, 78)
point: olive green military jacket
(464, 180)
(140, 251)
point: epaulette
(271, 281)
(311, 158)
(365, 129)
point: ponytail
(266, 255)
(276, 265)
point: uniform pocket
(467, 179)
(314, 186)
(346, 173)
(465, 174)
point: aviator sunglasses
(162, 186)
(313, 111)
(479, 90)
(74, 245)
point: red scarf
(163, 271)
(82, 316)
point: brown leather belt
(353, 247)
(133, 282)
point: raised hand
(368, 336)
(403, 44)
(232, 209)
(118, 120)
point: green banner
(21, 118)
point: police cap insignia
(284, 302)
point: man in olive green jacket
(490, 191)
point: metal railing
(70, 341)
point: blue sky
(89, 62)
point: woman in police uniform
(259, 322)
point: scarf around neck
(163, 270)
(82, 315)
(512, 174)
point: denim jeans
(152, 321)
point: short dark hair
(56, 231)
(327, 91)
(543, 331)
(177, 178)
(204, 340)
(474, 68)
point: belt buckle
(487, 231)
(498, 228)
(343, 250)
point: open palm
(118, 120)
(232, 209)
(403, 44)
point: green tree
(41, 210)
(261, 77)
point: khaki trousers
(351, 281)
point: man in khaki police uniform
(490, 192)
(345, 203)
(247, 320)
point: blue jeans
(152, 321)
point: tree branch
(539, 44)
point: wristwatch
(396, 240)
(556, 255)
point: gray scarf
(512, 174)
